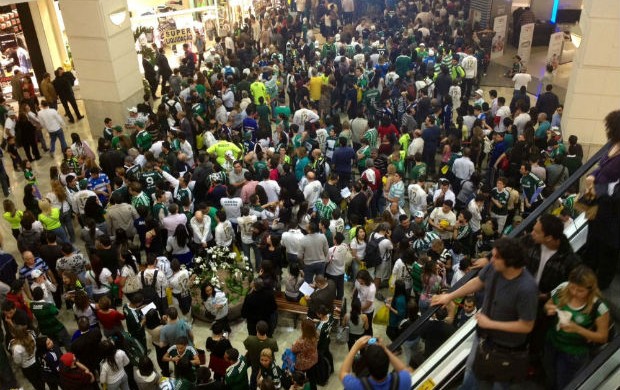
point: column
(105, 58)
(49, 32)
(594, 87)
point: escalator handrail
(548, 202)
(594, 365)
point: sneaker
(80, 117)
(71, 120)
(52, 154)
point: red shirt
(373, 186)
(110, 319)
(385, 131)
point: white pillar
(594, 86)
(105, 58)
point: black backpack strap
(395, 381)
(365, 384)
(154, 282)
(142, 279)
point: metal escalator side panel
(447, 358)
(599, 369)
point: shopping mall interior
(102, 41)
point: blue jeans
(60, 135)
(561, 367)
(246, 249)
(67, 222)
(61, 234)
(470, 382)
(313, 269)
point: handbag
(495, 363)
(132, 284)
(342, 334)
(381, 316)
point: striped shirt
(140, 200)
(397, 191)
(25, 272)
(422, 245)
(372, 135)
(324, 210)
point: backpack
(229, 71)
(172, 109)
(393, 385)
(372, 257)
(288, 360)
(148, 290)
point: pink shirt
(248, 190)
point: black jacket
(557, 267)
(259, 306)
(547, 102)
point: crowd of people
(366, 162)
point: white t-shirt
(245, 228)
(109, 375)
(291, 239)
(232, 207)
(521, 80)
(312, 192)
(366, 294)
(545, 255)
(272, 189)
(179, 281)
(417, 198)
(103, 279)
(360, 248)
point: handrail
(594, 365)
(575, 177)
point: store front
(19, 46)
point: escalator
(444, 368)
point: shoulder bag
(493, 362)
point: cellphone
(372, 341)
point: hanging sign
(175, 36)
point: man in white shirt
(161, 282)
(503, 111)
(444, 191)
(521, 80)
(470, 66)
(53, 122)
(417, 145)
(521, 120)
(173, 219)
(417, 196)
(313, 189)
(443, 219)
(463, 168)
(271, 187)
(290, 241)
(9, 124)
(245, 225)
(304, 115)
(232, 206)
(201, 228)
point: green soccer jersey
(237, 375)
(159, 210)
(502, 197)
(149, 181)
(144, 140)
(418, 170)
(45, 314)
(372, 135)
(529, 184)
(141, 200)
(403, 65)
(181, 194)
(282, 110)
(371, 99)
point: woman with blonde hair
(58, 198)
(305, 349)
(268, 368)
(50, 218)
(581, 318)
(12, 216)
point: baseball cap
(67, 359)
(518, 218)
(36, 273)
(139, 124)
(133, 109)
(479, 92)
(229, 153)
(419, 214)
(444, 181)
(118, 128)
